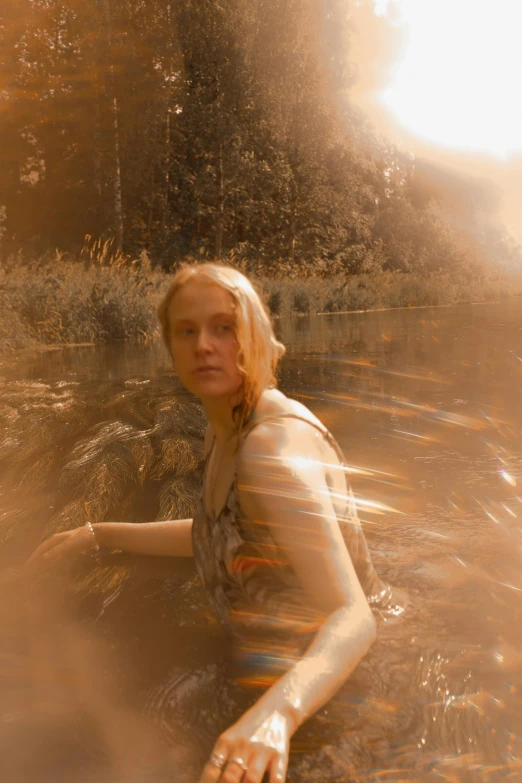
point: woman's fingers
(215, 764)
(235, 769)
(278, 769)
(70, 542)
(258, 763)
(211, 773)
(240, 757)
(244, 766)
(47, 546)
(56, 551)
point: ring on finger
(240, 763)
(217, 760)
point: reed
(341, 293)
(70, 454)
(102, 296)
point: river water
(426, 404)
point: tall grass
(103, 296)
(72, 453)
(377, 290)
(58, 300)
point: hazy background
(350, 155)
(443, 80)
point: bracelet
(90, 528)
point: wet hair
(259, 350)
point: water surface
(426, 404)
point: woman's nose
(204, 341)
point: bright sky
(459, 81)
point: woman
(275, 536)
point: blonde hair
(259, 350)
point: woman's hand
(67, 544)
(250, 748)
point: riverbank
(62, 302)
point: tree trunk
(97, 157)
(292, 229)
(167, 152)
(220, 207)
(118, 203)
(114, 143)
(167, 123)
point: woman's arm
(343, 639)
(172, 538)
(289, 494)
(168, 538)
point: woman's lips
(205, 370)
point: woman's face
(203, 339)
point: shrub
(103, 298)
(70, 303)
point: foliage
(62, 301)
(204, 129)
(376, 290)
(96, 457)
(112, 297)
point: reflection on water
(426, 405)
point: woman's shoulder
(280, 421)
(274, 404)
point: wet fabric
(266, 624)
(252, 588)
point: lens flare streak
(400, 407)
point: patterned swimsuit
(251, 585)
(260, 608)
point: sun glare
(459, 82)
